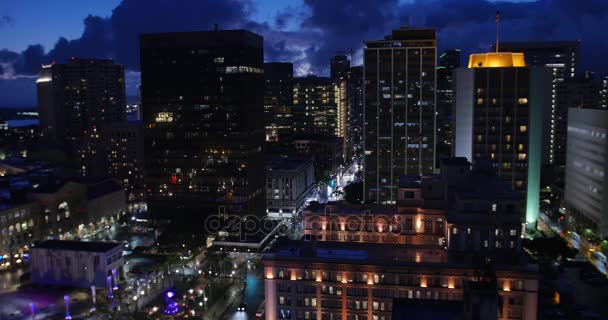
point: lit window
(479, 101)
(523, 129)
(522, 100)
(494, 206)
(455, 230)
(508, 138)
(521, 156)
(519, 183)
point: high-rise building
(339, 65)
(571, 93)
(399, 103)
(586, 191)
(501, 107)
(355, 108)
(78, 96)
(278, 99)
(562, 58)
(314, 106)
(125, 151)
(203, 107)
(449, 60)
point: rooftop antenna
(497, 24)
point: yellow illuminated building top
(497, 60)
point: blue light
(170, 294)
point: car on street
(242, 307)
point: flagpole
(497, 24)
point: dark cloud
(6, 21)
(309, 35)
(8, 56)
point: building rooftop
(385, 255)
(73, 245)
(497, 60)
(211, 38)
(287, 163)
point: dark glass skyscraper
(202, 98)
(75, 97)
(339, 65)
(399, 110)
(278, 99)
(448, 61)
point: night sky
(307, 32)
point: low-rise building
(75, 263)
(289, 181)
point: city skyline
(304, 159)
(303, 32)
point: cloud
(6, 21)
(310, 33)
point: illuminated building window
(455, 230)
(508, 138)
(523, 129)
(479, 137)
(480, 101)
(520, 147)
(164, 117)
(522, 100)
(494, 206)
(494, 101)
(506, 165)
(519, 183)
(521, 156)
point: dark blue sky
(306, 32)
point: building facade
(501, 113)
(203, 103)
(571, 93)
(278, 99)
(562, 58)
(399, 103)
(289, 182)
(76, 263)
(449, 60)
(586, 169)
(78, 96)
(314, 106)
(360, 261)
(355, 109)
